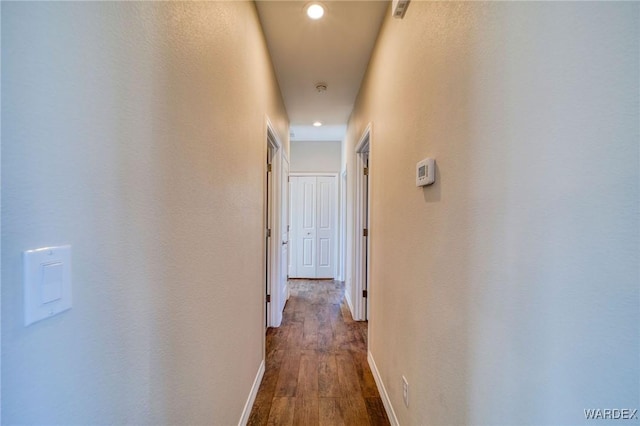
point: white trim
(347, 297)
(285, 211)
(274, 316)
(360, 305)
(246, 411)
(365, 139)
(391, 414)
(272, 130)
(342, 226)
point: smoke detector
(321, 87)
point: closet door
(313, 214)
(325, 227)
(304, 214)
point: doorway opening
(362, 228)
(314, 236)
(276, 229)
(271, 149)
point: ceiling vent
(399, 7)
(321, 87)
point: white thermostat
(425, 172)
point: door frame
(285, 212)
(293, 235)
(342, 241)
(272, 221)
(362, 245)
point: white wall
(0, 226)
(136, 133)
(322, 156)
(316, 156)
(507, 292)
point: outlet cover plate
(405, 391)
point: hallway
(316, 364)
(136, 136)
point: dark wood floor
(316, 365)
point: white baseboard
(383, 391)
(246, 412)
(347, 297)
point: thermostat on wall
(425, 172)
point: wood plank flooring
(316, 364)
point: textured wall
(507, 292)
(136, 133)
(313, 156)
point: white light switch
(51, 282)
(47, 282)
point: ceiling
(334, 50)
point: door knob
(285, 242)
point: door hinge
(268, 233)
(365, 232)
(364, 293)
(288, 178)
(366, 171)
(268, 168)
(288, 228)
(268, 298)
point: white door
(293, 224)
(365, 242)
(325, 227)
(269, 225)
(284, 226)
(314, 224)
(304, 210)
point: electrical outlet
(405, 391)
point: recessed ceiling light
(317, 123)
(315, 11)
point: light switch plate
(47, 282)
